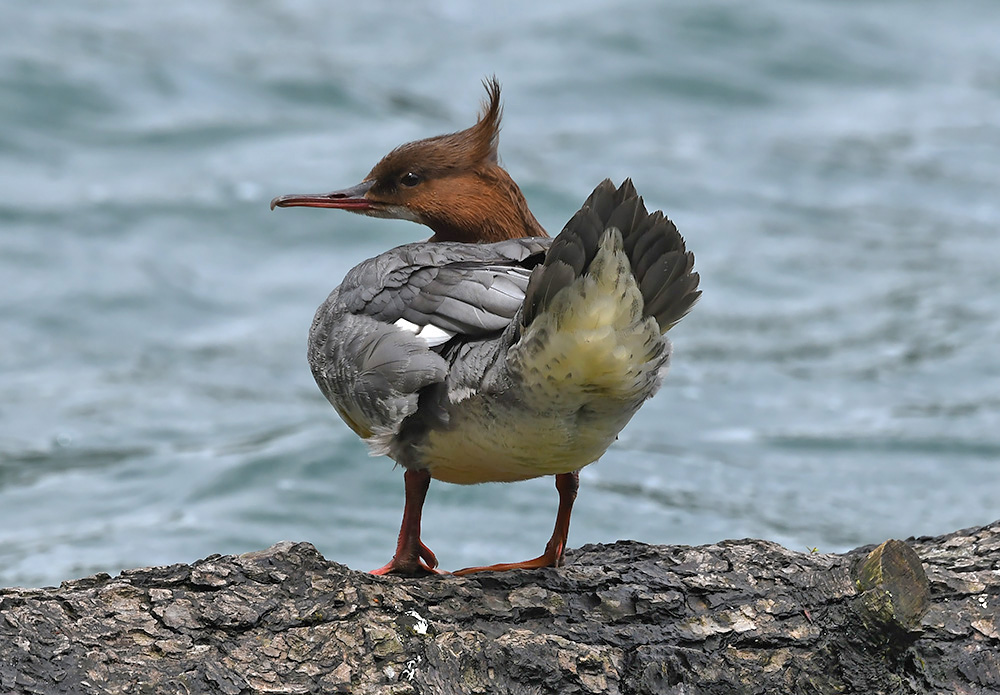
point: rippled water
(834, 167)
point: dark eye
(410, 179)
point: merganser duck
(490, 352)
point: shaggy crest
(466, 149)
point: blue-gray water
(834, 166)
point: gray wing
(374, 345)
(441, 291)
(371, 371)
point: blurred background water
(834, 166)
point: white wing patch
(431, 334)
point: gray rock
(921, 616)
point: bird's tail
(595, 310)
(661, 266)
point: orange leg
(567, 484)
(411, 554)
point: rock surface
(921, 616)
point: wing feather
(450, 290)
